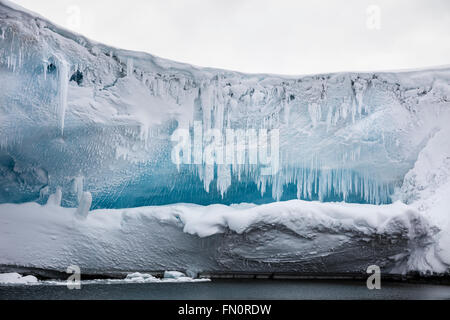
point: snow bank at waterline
(291, 236)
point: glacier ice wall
(82, 116)
(89, 126)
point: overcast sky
(270, 36)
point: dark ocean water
(230, 289)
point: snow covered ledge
(291, 236)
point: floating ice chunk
(169, 276)
(13, 277)
(140, 277)
(173, 275)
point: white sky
(269, 36)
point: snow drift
(291, 236)
(87, 126)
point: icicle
(315, 112)
(43, 192)
(208, 176)
(130, 67)
(84, 206)
(45, 70)
(78, 187)
(223, 178)
(55, 198)
(63, 90)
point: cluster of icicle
(225, 102)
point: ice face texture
(73, 109)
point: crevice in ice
(77, 77)
(51, 68)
